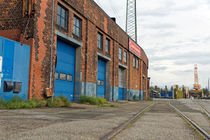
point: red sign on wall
(134, 48)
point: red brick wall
(135, 74)
(94, 20)
(40, 50)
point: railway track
(196, 126)
(134, 123)
(113, 133)
(203, 108)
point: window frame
(134, 61)
(137, 63)
(100, 44)
(108, 46)
(77, 29)
(60, 16)
(120, 54)
(125, 56)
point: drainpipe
(129, 79)
(86, 44)
(51, 49)
(113, 74)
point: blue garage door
(162, 94)
(15, 69)
(101, 78)
(170, 94)
(65, 70)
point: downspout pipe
(129, 75)
(51, 49)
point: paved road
(86, 122)
(81, 122)
(161, 123)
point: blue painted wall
(120, 96)
(15, 67)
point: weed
(92, 100)
(149, 99)
(65, 101)
(41, 103)
(17, 103)
(14, 103)
(29, 104)
(108, 105)
(57, 102)
(2, 104)
(101, 100)
(134, 97)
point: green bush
(29, 104)
(57, 102)
(2, 104)
(17, 103)
(134, 97)
(41, 103)
(61, 101)
(92, 100)
(65, 100)
(101, 100)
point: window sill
(61, 28)
(77, 37)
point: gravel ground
(195, 104)
(193, 110)
(205, 104)
(161, 122)
(80, 122)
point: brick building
(83, 51)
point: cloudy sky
(175, 34)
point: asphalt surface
(162, 123)
(80, 122)
(87, 122)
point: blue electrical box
(14, 69)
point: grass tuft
(149, 99)
(108, 105)
(92, 100)
(65, 100)
(18, 103)
(134, 98)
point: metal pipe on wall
(51, 48)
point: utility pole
(208, 87)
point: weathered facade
(102, 63)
